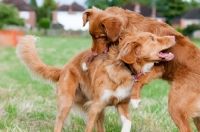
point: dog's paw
(126, 124)
(135, 103)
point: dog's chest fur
(123, 81)
(113, 97)
(111, 82)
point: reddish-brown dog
(107, 81)
(183, 72)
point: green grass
(27, 105)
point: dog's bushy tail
(27, 53)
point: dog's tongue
(105, 50)
(166, 56)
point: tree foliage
(103, 4)
(33, 3)
(9, 16)
(171, 8)
(190, 29)
(44, 23)
(167, 8)
(46, 10)
(148, 3)
(193, 3)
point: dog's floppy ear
(113, 27)
(86, 15)
(129, 52)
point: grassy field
(27, 105)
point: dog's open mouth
(106, 49)
(165, 56)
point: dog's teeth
(170, 53)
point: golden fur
(183, 72)
(100, 85)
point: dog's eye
(152, 38)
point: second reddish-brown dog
(183, 72)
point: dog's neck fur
(135, 68)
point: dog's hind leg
(177, 109)
(65, 91)
(197, 123)
(94, 112)
(181, 122)
(124, 113)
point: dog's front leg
(124, 113)
(155, 72)
(94, 112)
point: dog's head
(103, 27)
(140, 51)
